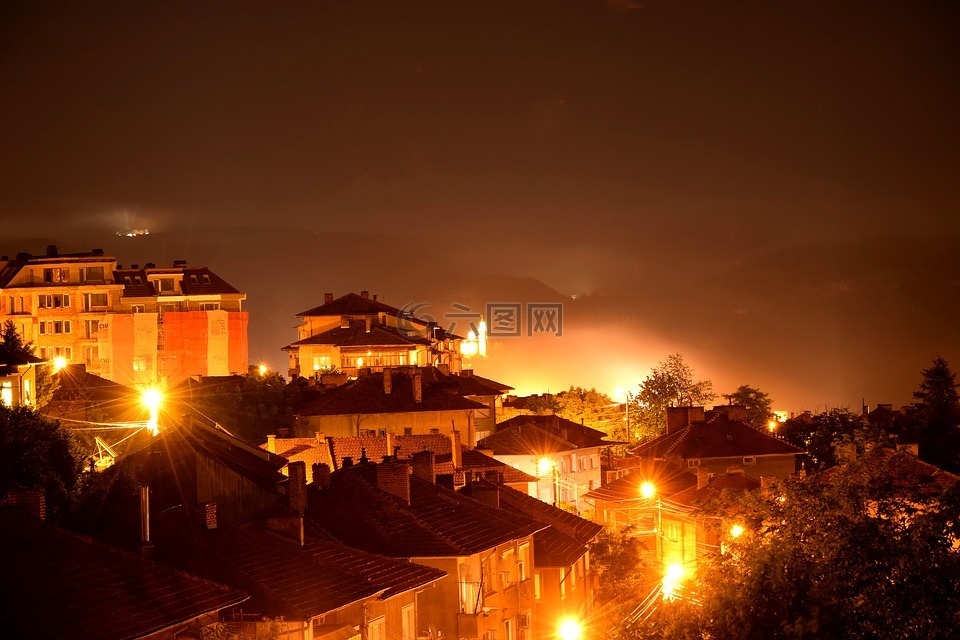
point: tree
(543, 405)
(821, 434)
(939, 416)
(670, 384)
(864, 551)
(758, 404)
(589, 406)
(47, 383)
(36, 452)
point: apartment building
(136, 326)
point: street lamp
(262, 369)
(570, 629)
(152, 398)
(547, 466)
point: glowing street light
(570, 629)
(152, 398)
(59, 363)
(262, 369)
(772, 425)
(545, 465)
(671, 580)
(647, 490)
(736, 531)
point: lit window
(693, 462)
(750, 460)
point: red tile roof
(717, 438)
(666, 478)
(356, 335)
(566, 537)
(904, 469)
(365, 395)
(61, 585)
(729, 482)
(437, 523)
(351, 304)
(574, 432)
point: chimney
(179, 263)
(456, 451)
(321, 475)
(327, 298)
(681, 417)
(272, 443)
(146, 547)
(375, 296)
(52, 251)
(344, 322)
(417, 387)
(297, 486)
(394, 478)
(389, 436)
(365, 295)
(369, 322)
(486, 493)
(206, 515)
(703, 477)
(347, 462)
(423, 466)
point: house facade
(136, 326)
(18, 379)
(357, 331)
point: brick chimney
(327, 298)
(321, 475)
(365, 295)
(387, 383)
(417, 380)
(389, 441)
(297, 486)
(394, 478)
(423, 466)
(681, 417)
(369, 323)
(703, 477)
(456, 451)
(206, 515)
(272, 443)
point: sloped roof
(565, 538)
(904, 469)
(493, 384)
(282, 578)
(526, 439)
(365, 395)
(437, 523)
(79, 391)
(717, 438)
(351, 304)
(735, 482)
(574, 432)
(356, 335)
(477, 461)
(138, 285)
(61, 585)
(667, 478)
(202, 281)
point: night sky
(705, 174)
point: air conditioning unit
(524, 621)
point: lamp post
(151, 399)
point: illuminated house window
(209, 306)
(59, 274)
(6, 394)
(693, 462)
(375, 629)
(750, 460)
(137, 308)
(96, 301)
(140, 364)
(94, 274)
(53, 300)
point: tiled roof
(477, 461)
(281, 578)
(307, 450)
(574, 432)
(667, 478)
(60, 585)
(565, 538)
(735, 482)
(365, 395)
(493, 384)
(718, 438)
(904, 469)
(201, 281)
(356, 335)
(351, 304)
(437, 522)
(524, 440)
(135, 283)
(388, 574)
